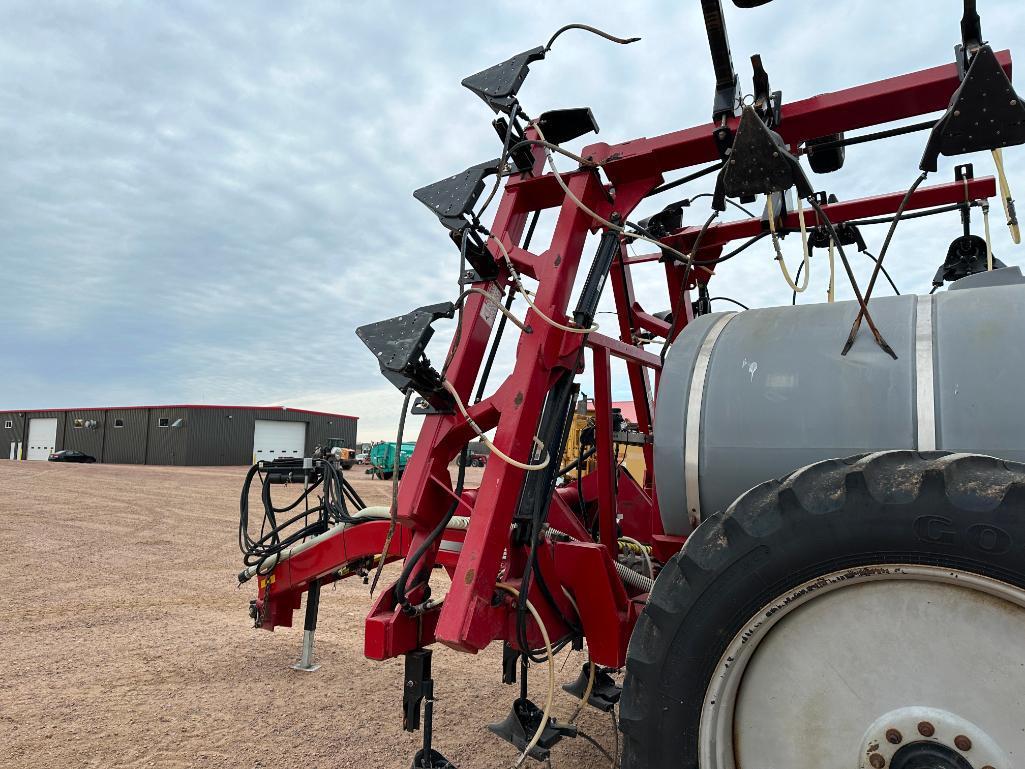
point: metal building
(174, 435)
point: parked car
(70, 455)
(361, 459)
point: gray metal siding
(19, 431)
(207, 436)
(88, 440)
(126, 445)
(167, 445)
(221, 436)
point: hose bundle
(336, 495)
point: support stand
(305, 662)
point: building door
(273, 439)
(42, 438)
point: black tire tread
(765, 513)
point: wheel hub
(800, 682)
(928, 738)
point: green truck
(382, 459)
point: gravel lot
(125, 642)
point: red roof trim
(183, 406)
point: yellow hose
(779, 251)
(1005, 196)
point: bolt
(894, 737)
(877, 761)
(926, 729)
(1014, 103)
(963, 743)
(957, 113)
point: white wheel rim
(803, 681)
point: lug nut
(962, 743)
(877, 761)
(894, 737)
(926, 729)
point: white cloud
(201, 205)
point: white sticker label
(490, 309)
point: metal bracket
(605, 692)
(414, 689)
(399, 345)
(523, 721)
(498, 85)
(985, 113)
(453, 198)
(452, 201)
(564, 125)
(760, 163)
(768, 102)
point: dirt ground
(125, 642)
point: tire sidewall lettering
(985, 537)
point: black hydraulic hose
(276, 537)
(863, 314)
(741, 305)
(888, 134)
(906, 217)
(800, 269)
(577, 462)
(401, 590)
(686, 179)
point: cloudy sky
(199, 202)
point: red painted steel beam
(864, 106)
(880, 205)
(628, 352)
(838, 213)
(606, 470)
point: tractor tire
(832, 618)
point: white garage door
(274, 439)
(42, 438)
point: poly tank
(747, 397)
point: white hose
(550, 699)
(779, 251)
(579, 204)
(501, 307)
(1005, 196)
(527, 294)
(487, 441)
